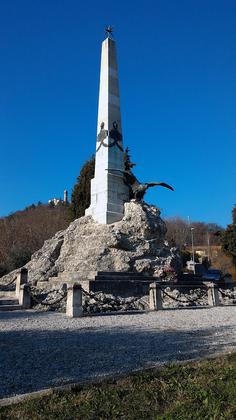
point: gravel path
(42, 350)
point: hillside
(178, 232)
(24, 232)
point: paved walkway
(46, 349)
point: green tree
(228, 238)
(234, 214)
(80, 197)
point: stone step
(120, 274)
(74, 275)
(8, 301)
(56, 283)
(120, 279)
(6, 293)
(10, 307)
(65, 277)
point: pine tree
(228, 238)
(234, 214)
(80, 197)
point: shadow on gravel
(4, 315)
(11, 315)
(32, 360)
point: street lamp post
(193, 259)
(208, 246)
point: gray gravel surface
(46, 349)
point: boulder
(136, 243)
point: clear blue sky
(177, 67)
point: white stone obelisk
(108, 191)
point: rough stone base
(134, 244)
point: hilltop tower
(65, 196)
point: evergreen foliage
(234, 214)
(80, 197)
(228, 238)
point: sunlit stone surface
(108, 191)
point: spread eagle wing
(161, 184)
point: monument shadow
(33, 359)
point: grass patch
(202, 390)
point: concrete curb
(36, 394)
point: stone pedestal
(213, 294)
(24, 296)
(74, 307)
(155, 297)
(22, 278)
(108, 191)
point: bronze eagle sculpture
(137, 189)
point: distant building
(56, 201)
(197, 267)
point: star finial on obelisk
(109, 31)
